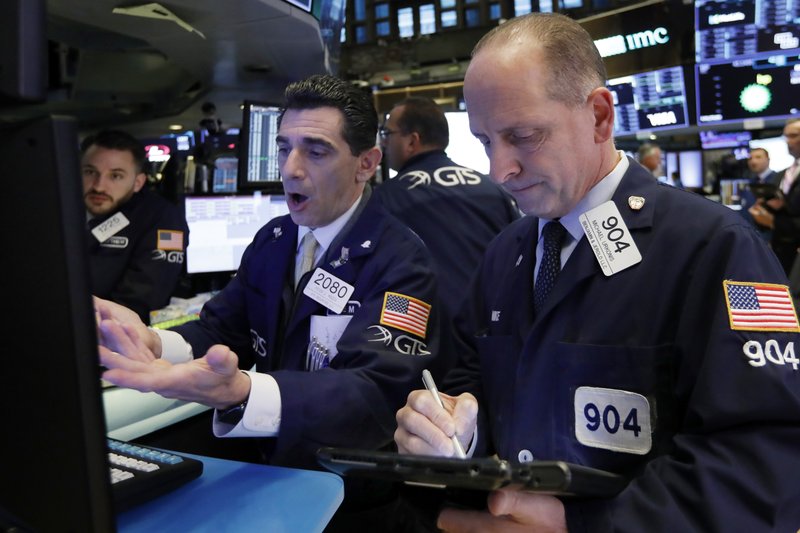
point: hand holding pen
(427, 379)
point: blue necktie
(553, 234)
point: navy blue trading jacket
(352, 403)
(724, 403)
(455, 210)
(135, 267)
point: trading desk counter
(234, 496)
(131, 414)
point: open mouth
(297, 199)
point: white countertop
(131, 414)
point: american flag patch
(406, 313)
(760, 307)
(169, 240)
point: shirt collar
(602, 192)
(325, 234)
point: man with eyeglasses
(455, 210)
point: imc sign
(644, 38)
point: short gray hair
(575, 65)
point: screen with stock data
(258, 152)
(747, 59)
(221, 227)
(649, 101)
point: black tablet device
(767, 191)
(549, 477)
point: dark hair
(759, 148)
(574, 63)
(117, 140)
(424, 116)
(321, 90)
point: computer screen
(222, 227)
(224, 174)
(712, 140)
(649, 101)
(54, 471)
(748, 60)
(258, 152)
(464, 148)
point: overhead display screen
(748, 60)
(649, 101)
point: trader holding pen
(621, 325)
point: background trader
(455, 210)
(137, 240)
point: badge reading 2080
(609, 238)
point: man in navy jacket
(455, 210)
(137, 240)
(336, 349)
(665, 349)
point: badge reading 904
(609, 238)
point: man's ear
(139, 181)
(368, 163)
(602, 102)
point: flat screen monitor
(224, 175)
(763, 88)
(464, 148)
(649, 101)
(689, 166)
(54, 467)
(712, 140)
(221, 227)
(258, 152)
(734, 29)
(747, 60)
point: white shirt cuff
(262, 416)
(173, 347)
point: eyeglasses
(385, 132)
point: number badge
(328, 290)
(609, 238)
(613, 419)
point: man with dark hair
(137, 239)
(455, 210)
(622, 325)
(758, 164)
(334, 304)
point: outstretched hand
(213, 380)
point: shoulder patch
(406, 313)
(169, 240)
(760, 306)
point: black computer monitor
(258, 152)
(54, 468)
(223, 226)
(649, 101)
(747, 55)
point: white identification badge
(328, 290)
(110, 227)
(609, 238)
(613, 419)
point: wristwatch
(233, 414)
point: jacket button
(525, 456)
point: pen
(427, 379)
